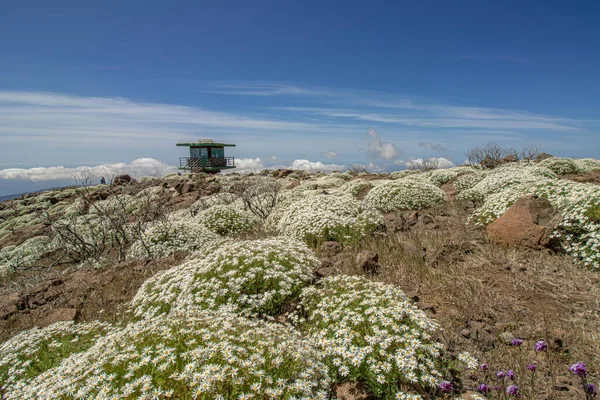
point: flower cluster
(253, 275)
(193, 355)
(404, 194)
(580, 229)
(26, 254)
(320, 217)
(355, 187)
(166, 237)
(224, 220)
(587, 165)
(371, 332)
(35, 351)
(561, 166)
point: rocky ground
(486, 287)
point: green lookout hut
(206, 156)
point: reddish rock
(58, 314)
(368, 261)
(528, 222)
(351, 391)
(330, 248)
(543, 156)
(122, 180)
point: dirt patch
(80, 295)
(592, 177)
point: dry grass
(479, 291)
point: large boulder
(122, 180)
(529, 222)
(368, 261)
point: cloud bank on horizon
(350, 126)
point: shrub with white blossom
(191, 356)
(404, 194)
(163, 239)
(224, 220)
(355, 187)
(33, 352)
(560, 166)
(371, 332)
(579, 232)
(26, 254)
(441, 176)
(587, 165)
(321, 217)
(258, 276)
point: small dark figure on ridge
(102, 181)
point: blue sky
(90, 83)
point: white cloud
(275, 159)
(330, 154)
(247, 165)
(137, 168)
(60, 118)
(379, 149)
(443, 163)
(318, 166)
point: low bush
(225, 220)
(560, 166)
(200, 356)
(163, 239)
(258, 276)
(319, 217)
(372, 333)
(31, 353)
(404, 194)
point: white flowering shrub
(26, 254)
(225, 220)
(404, 194)
(258, 276)
(468, 180)
(587, 165)
(9, 226)
(78, 207)
(321, 217)
(560, 166)
(324, 182)
(372, 333)
(441, 176)
(402, 174)
(193, 356)
(115, 204)
(355, 187)
(502, 178)
(218, 199)
(33, 352)
(163, 239)
(578, 203)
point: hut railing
(194, 163)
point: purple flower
(541, 346)
(484, 367)
(517, 342)
(483, 388)
(590, 389)
(579, 369)
(500, 374)
(446, 386)
(513, 390)
(531, 367)
(511, 374)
